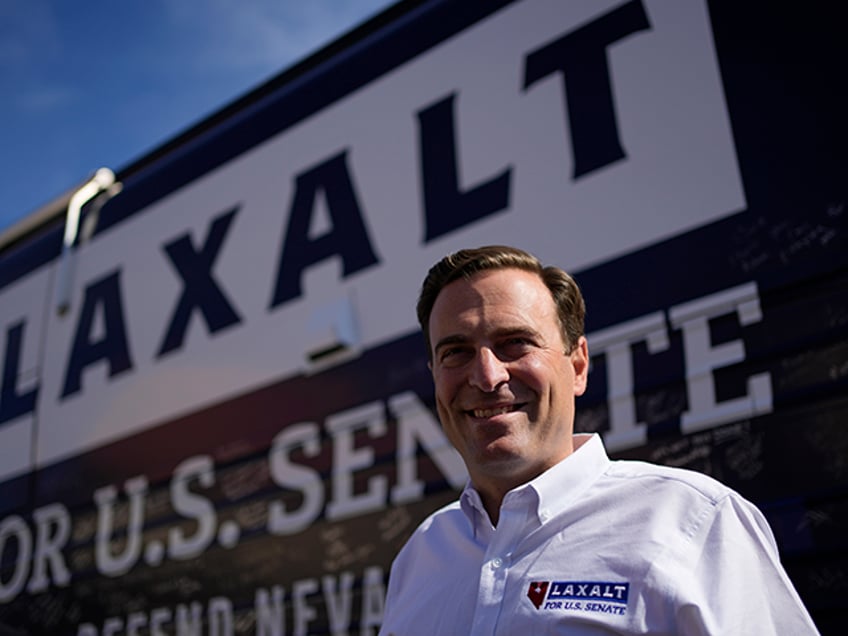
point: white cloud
(28, 35)
(30, 45)
(265, 34)
(97, 83)
(44, 98)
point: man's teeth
(492, 412)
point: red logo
(537, 592)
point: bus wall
(232, 429)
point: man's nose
(487, 371)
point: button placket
(496, 565)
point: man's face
(504, 385)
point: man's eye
(453, 355)
(516, 346)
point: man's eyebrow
(517, 331)
(451, 340)
(502, 332)
(507, 332)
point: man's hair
(571, 309)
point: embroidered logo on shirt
(583, 596)
(537, 592)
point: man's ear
(580, 363)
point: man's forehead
(503, 285)
(505, 300)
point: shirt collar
(554, 489)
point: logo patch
(608, 597)
(537, 592)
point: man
(550, 536)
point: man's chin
(500, 456)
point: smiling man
(550, 536)
(505, 377)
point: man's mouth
(492, 412)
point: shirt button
(497, 562)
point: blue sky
(97, 83)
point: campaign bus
(216, 415)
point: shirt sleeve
(737, 584)
(397, 578)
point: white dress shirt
(595, 546)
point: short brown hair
(568, 299)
